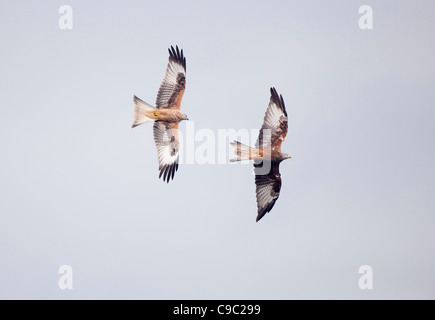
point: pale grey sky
(79, 187)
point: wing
(174, 83)
(276, 121)
(167, 144)
(268, 187)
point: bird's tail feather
(140, 110)
(242, 151)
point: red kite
(166, 115)
(267, 154)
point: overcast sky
(79, 187)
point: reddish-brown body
(167, 115)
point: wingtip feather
(168, 172)
(177, 55)
(278, 99)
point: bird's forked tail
(141, 108)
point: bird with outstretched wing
(267, 154)
(166, 115)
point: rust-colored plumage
(267, 154)
(166, 115)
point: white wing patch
(167, 145)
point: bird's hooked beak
(289, 157)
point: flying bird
(267, 154)
(166, 115)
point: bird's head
(184, 117)
(286, 156)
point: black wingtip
(278, 99)
(260, 216)
(168, 172)
(177, 55)
(265, 210)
